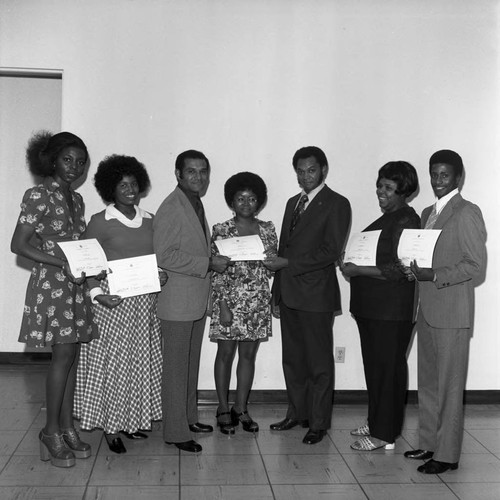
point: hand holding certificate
(242, 248)
(362, 248)
(133, 276)
(418, 244)
(84, 256)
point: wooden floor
(268, 465)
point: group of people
(120, 363)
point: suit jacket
(183, 251)
(459, 256)
(309, 283)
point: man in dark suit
(182, 245)
(306, 290)
(445, 316)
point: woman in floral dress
(57, 309)
(241, 315)
(119, 374)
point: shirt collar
(112, 212)
(441, 202)
(313, 193)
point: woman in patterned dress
(119, 374)
(57, 309)
(241, 315)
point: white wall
(248, 82)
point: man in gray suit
(445, 317)
(182, 246)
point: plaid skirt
(118, 384)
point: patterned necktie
(297, 213)
(200, 212)
(432, 218)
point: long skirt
(119, 374)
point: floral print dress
(245, 287)
(56, 310)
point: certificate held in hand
(84, 256)
(362, 248)
(418, 244)
(133, 276)
(242, 248)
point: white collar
(113, 213)
(441, 202)
(311, 195)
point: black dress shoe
(248, 424)
(436, 467)
(134, 435)
(198, 427)
(225, 422)
(287, 424)
(419, 454)
(313, 436)
(191, 446)
(115, 444)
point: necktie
(200, 212)
(432, 218)
(299, 210)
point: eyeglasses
(252, 200)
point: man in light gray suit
(182, 246)
(445, 317)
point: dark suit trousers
(181, 361)
(384, 345)
(307, 341)
(443, 355)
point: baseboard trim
(265, 396)
(340, 397)
(278, 396)
(25, 358)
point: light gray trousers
(443, 356)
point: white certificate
(418, 244)
(242, 248)
(362, 248)
(84, 256)
(133, 276)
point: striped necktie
(299, 210)
(432, 218)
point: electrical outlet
(339, 354)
